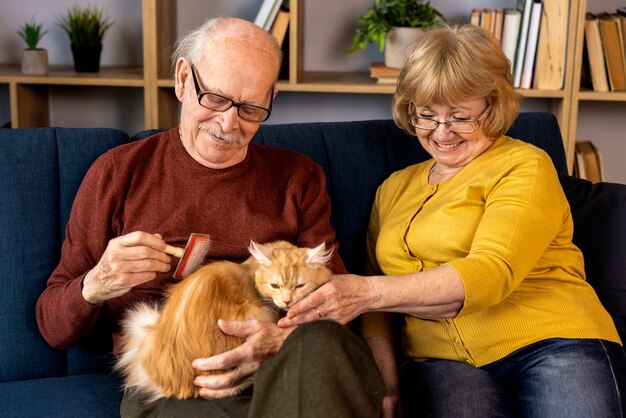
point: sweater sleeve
(63, 316)
(523, 214)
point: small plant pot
(86, 58)
(35, 61)
(396, 43)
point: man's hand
(128, 260)
(263, 340)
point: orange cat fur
(160, 344)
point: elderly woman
(474, 249)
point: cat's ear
(319, 254)
(258, 251)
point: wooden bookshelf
(578, 93)
(301, 80)
(29, 94)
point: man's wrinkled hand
(128, 261)
(262, 341)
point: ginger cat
(160, 344)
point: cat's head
(286, 273)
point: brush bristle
(195, 252)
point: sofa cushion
(90, 395)
(542, 130)
(367, 151)
(29, 249)
(599, 231)
(370, 151)
(40, 170)
(77, 149)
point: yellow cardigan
(503, 222)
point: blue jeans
(553, 378)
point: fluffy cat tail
(137, 328)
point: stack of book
(273, 16)
(605, 52)
(588, 162)
(382, 74)
(533, 37)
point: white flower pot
(396, 43)
(35, 61)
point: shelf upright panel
(575, 45)
(159, 34)
(29, 105)
(296, 40)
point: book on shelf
(383, 74)
(588, 162)
(552, 45)
(489, 19)
(524, 6)
(510, 33)
(595, 54)
(475, 16)
(267, 12)
(386, 80)
(622, 24)
(498, 22)
(528, 68)
(486, 19)
(378, 69)
(280, 25)
(612, 42)
(585, 72)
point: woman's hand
(341, 299)
(263, 340)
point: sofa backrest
(40, 171)
(358, 156)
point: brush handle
(175, 251)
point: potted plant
(34, 59)
(393, 24)
(86, 28)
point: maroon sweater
(154, 185)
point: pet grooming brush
(192, 256)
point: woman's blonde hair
(453, 64)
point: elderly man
(205, 176)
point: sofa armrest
(599, 212)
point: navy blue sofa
(41, 169)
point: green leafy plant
(32, 32)
(85, 26)
(376, 22)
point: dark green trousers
(322, 371)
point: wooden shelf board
(356, 82)
(168, 82)
(612, 96)
(542, 94)
(66, 76)
(336, 82)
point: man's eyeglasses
(220, 103)
(459, 126)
